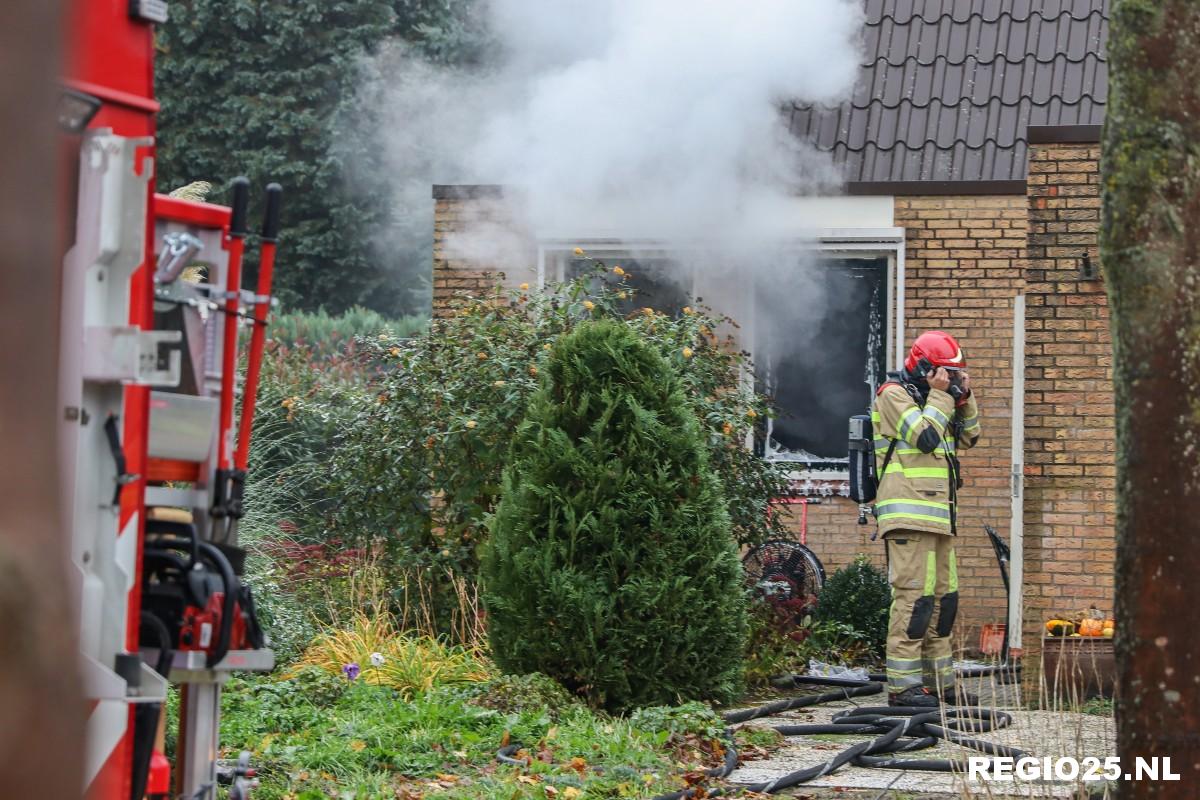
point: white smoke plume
(656, 119)
(657, 126)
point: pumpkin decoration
(1060, 627)
(1091, 627)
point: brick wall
(1070, 472)
(964, 269)
(477, 245)
(834, 533)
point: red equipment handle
(804, 522)
(233, 286)
(262, 309)
(805, 502)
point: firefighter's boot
(913, 697)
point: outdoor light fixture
(148, 10)
(76, 109)
(1086, 272)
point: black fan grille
(785, 572)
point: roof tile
(947, 88)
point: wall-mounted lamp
(1087, 271)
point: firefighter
(923, 416)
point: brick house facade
(968, 257)
(979, 128)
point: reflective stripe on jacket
(914, 491)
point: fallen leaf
(578, 764)
(570, 793)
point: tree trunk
(41, 710)
(1150, 246)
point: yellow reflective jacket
(916, 491)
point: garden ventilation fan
(785, 573)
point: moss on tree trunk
(1149, 246)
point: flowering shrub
(420, 463)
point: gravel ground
(1038, 733)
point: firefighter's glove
(964, 383)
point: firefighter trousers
(924, 580)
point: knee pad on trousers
(922, 613)
(948, 613)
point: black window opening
(820, 353)
(662, 284)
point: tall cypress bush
(611, 566)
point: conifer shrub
(858, 596)
(611, 566)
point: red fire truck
(156, 421)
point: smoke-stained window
(820, 342)
(819, 336)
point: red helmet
(939, 347)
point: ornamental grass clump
(372, 650)
(611, 566)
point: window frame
(848, 243)
(562, 250)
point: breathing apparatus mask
(925, 368)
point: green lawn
(318, 736)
